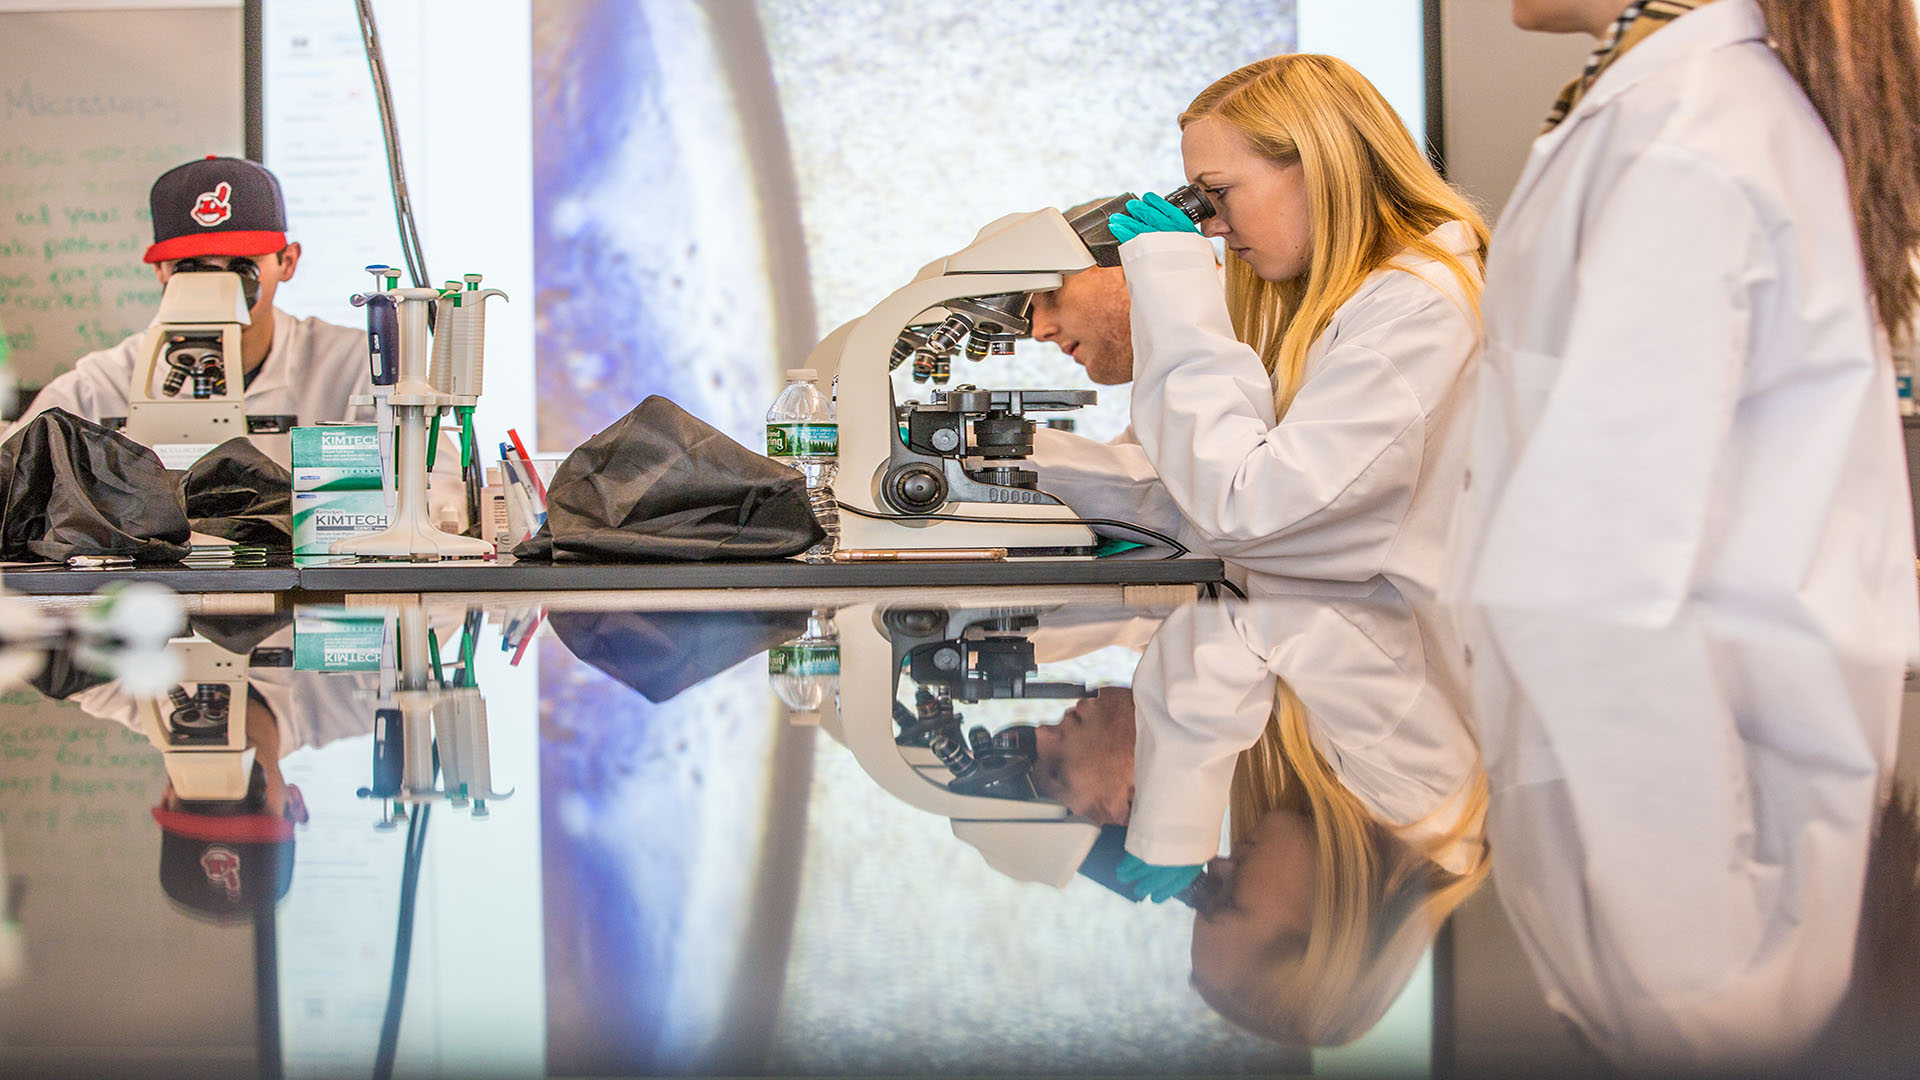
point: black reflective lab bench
(1144, 566)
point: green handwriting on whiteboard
(24, 102)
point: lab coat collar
(1703, 30)
(273, 370)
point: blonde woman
(1304, 423)
(1352, 791)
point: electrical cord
(1161, 538)
(402, 944)
(396, 174)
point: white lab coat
(1360, 666)
(311, 708)
(1684, 393)
(1680, 822)
(1113, 480)
(311, 371)
(1359, 479)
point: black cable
(396, 175)
(402, 945)
(1163, 539)
(1232, 588)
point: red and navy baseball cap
(217, 206)
(224, 866)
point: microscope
(924, 756)
(946, 473)
(188, 393)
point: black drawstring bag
(662, 653)
(238, 493)
(71, 487)
(664, 485)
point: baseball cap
(216, 206)
(224, 866)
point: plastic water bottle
(802, 432)
(807, 669)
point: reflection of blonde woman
(1303, 423)
(1313, 925)
(1315, 729)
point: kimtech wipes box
(332, 638)
(321, 517)
(336, 457)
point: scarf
(1637, 23)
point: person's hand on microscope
(1158, 883)
(1150, 214)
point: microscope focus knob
(915, 488)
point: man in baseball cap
(222, 213)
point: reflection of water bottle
(805, 670)
(802, 432)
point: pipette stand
(411, 534)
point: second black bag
(663, 485)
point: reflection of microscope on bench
(200, 726)
(188, 393)
(924, 756)
(946, 474)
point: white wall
(1498, 84)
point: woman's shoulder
(1417, 281)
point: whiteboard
(96, 103)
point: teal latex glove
(1159, 883)
(1151, 214)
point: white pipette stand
(412, 535)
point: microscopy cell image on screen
(716, 186)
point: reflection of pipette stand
(883, 482)
(454, 718)
(197, 329)
(411, 533)
(1026, 840)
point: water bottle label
(804, 660)
(803, 440)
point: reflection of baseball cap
(216, 206)
(226, 867)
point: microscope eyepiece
(1192, 202)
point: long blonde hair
(1371, 196)
(1378, 901)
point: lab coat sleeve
(1321, 494)
(1202, 694)
(1607, 508)
(95, 389)
(1104, 480)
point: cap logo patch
(222, 864)
(214, 207)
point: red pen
(539, 486)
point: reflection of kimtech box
(342, 457)
(322, 517)
(329, 638)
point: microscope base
(1043, 533)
